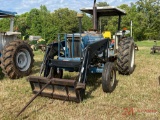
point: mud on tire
(17, 59)
(126, 56)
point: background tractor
(16, 56)
(37, 42)
(155, 48)
(84, 52)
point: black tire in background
(109, 77)
(17, 59)
(126, 56)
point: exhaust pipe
(95, 16)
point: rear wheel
(17, 59)
(109, 77)
(126, 56)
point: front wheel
(109, 77)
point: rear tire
(17, 59)
(109, 77)
(126, 56)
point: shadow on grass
(1, 74)
(157, 53)
(93, 83)
(36, 68)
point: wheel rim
(132, 58)
(113, 77)
(23, 60)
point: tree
(150, 9)
(4, 24)
(65, 20)
(45, 21)
(34, 22)
(21, 24)
(103, 21)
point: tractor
(16, 56)
(84, 52)
(155, 48)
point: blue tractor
(84, 52)
(16, 56)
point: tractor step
(63, 89)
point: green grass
(147, 43)
(138, 93)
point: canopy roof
(105, 11)
(4, 14)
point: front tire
(17, 59)
(109, 77)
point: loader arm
(91, 50)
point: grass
(136, 97)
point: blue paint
(69, 59)
(89, 39)
(86, 40)
(7, 13)
(96, 69)
(72, 45)
(58, 44)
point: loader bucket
(63, 89)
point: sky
(22, 6)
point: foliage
(103, 21)
(144, 14)
(4, 25)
